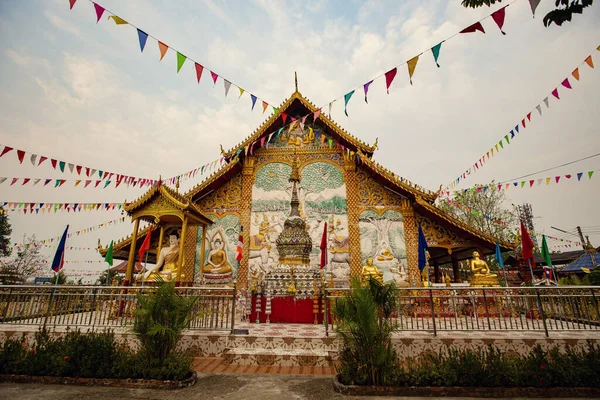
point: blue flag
(422, 249)
(499, 256)
(59, 257)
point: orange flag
(589, 61)
(163, 49)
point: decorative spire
(295, 179)
(177, 185)
(296, 80)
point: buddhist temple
(298, 180)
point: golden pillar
(131, 258)
(181, 251)
(411, 236)
(351, 180)
(202, 250)
(189, 254)
(160, 241)
(245, 209)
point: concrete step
(277, 357)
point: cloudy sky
(81, 91)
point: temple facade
(300, 168)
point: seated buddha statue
(167, 266)
(481, 272)
(217, 262)
(370, 270)
(385, 255)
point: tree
(5, 231)
(61, 277)
(562, 13)
(113, 276)
(25, 264)
(483, 207)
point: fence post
(537, 293)
(432, 311)
(233, 307)
(596, 305)
(49, 306)
(487, 314)
(326, 312)
(93, 306)
(7, 305)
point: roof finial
(296, 80)
(177, 185)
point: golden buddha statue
(167, 266)
(370, 270)
(217, 262)
(425, 278)
(481, 273)
(448, 280)
(385, 255)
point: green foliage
(365, 327)
(109, 277)
(490, 367)
(480, 207)
(160, 320)
(60, 277)
(89, 355)
(23, 265)
(562, 13)
(5, 231)
(319, 176)
(594, 277)
(273, 176)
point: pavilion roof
(585, 261)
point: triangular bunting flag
(548, 180)
(71, 4)
(99, 11)
(539, 109)
(265, 105)
(214, 77)
(180, 60)
(575, 73)
(589, 61)
(555, 93)
(253, 98)
(473, 28)
(534, 4)
(436, 52)
(566, 83)
(316, 114)
(61, 165)
(33, 159)
(226, 85)
(347, 98)
(498, 18)
(199, 69)
(557, 178)
(531, 182)
(412, 64)
(389, 78)
(20, 156)
(42, 159)
(71, 166)
(579, 175)
(366, 89)
(118, 20)
(590, 173)
(163, 49)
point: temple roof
(432, 210)
(275, 121)
(585, 261)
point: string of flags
(19, 246)
(36, 208)
(566, 84)
(497, 16)
(163, 48)
(568, 243)
(530, 183)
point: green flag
(545, 252)
(109, 254)
(180, 60)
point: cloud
(61, 23)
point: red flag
(527, 245)
(145, 245)
(239, 248)
(324, 247)
(473, 28)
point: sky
(82, 92)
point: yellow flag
(77, 182)
(586, 270)
(547, 180)
(118, 20)
(241, 92)
(496, 148)
(412, 64)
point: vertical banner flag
(145, 245)
(239, 250)
(323, 247)
(527, 245)
(59, 258)
(546, 253)
(109, 254)
(422, 250)
(499, 256)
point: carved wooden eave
(475, 237)
(275, 121)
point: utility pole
(581, 237)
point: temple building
(296, 181)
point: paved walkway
(210, 365)
(209, 386)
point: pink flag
(99, 11)
(566, 83)
(498, 18)
(214, 77)
(14, 180)
(389, 77)
(555, 93)
(473, 28)
(316, 114)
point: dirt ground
(208, 386)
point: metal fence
(544, 309)
(106, 306)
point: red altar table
(287, 309)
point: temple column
(160, 241)
(351, 180)
(245, 210)
(189, 254)
(181, 251)
(131, 258)
(202, 251)
(411, 236)
(455, 271)
(437, 276)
